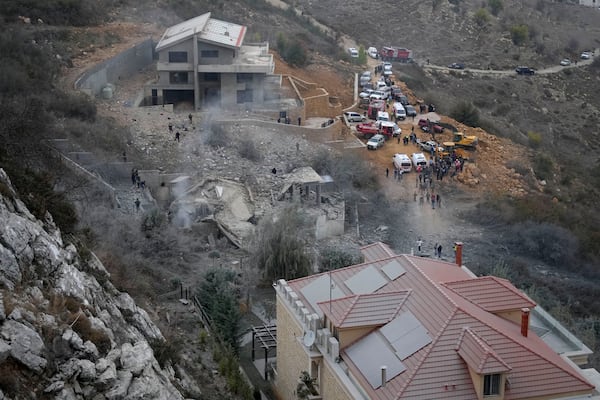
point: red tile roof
(365, 309)
(478, 355)
(437, 370)
(376, 251)
(491, 293)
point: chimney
(458, 253)
(524, 321)
(383, 375)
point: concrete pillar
(195, 73)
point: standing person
(419, 244)
(398, 139)
(439, 251)
(171, 127)
(137, 204)
(387, 172)
(299, 121)
(190, 118)
(438, 200)
(177, 136)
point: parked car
(378, 95)
(565, 62)
(456, 66)
(399, 111)
(419, 160)
(375, 142)
(402, 99)
(428, 145)
(524, 70)
(365, 93)
(428, 126)
(586, 55)
(353, 52)
(410, 111)
(402, 162)
(352, 116)
(372, 52)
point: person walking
(387, 172)
(439, 251)
(137, 204)
(177, 136)
(419, 244)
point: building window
(178, 56)
(211, 76)
(209, 53)
(241, 78)
(244, 96)
(491, 385)
(178, 77)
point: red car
(427, 126)
(367, 129)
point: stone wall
(121, 66)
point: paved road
(550, 70)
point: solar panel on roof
(370, 354)
(393, 270)
(320, 290)
(406, 334)
(366, 281)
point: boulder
(2, 312)
(73, 339)
(136, 358)
(55, 387)
(10, 274)
(87, 370)
(106, 375)
(90, 350)
(4, 351)
(26, 345)
(119, 391)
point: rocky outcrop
(65, 330)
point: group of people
(287, 120)
(135, 179)
(437, 249)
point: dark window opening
(242, 77)
(209, 53)
(211, 76)
(244, 96)
(491, 385)
(178, 77)
(178, 56)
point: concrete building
(590, 3)
(407, 327)
(203, 60)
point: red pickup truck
(428, 126)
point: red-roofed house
(406, 327)
(203, 60)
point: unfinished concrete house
(204, 61)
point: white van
(353, 52)
(402, 162)
(389, 128)
(372, 52)
(399, 111)
(419, 160)
(383, 116)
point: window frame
(209, 53)
(174, 55)
(492, 384)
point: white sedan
(565, 62)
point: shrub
(466, 113)
(542, 166)
(166, 351)
(535, 139)
(495, 6)
(481, 17)
(519, 34)
(333, 258)
(545, 241)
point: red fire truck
(399, 54)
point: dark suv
(524, 71)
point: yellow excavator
(462, 140)
(450, 147)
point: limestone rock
(4, 351)
(136, 358)
(2, 312)
(55, 387)
(9, 269)
(73, 339)
(106, 375)
(119, 391)
(87, 370)
(26, 345)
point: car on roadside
(524, 70)
(372, 52)
(429, 126)
(376, 142)
(586, 55)
(352, 116)
(365, 93)
(410, 111)
(456, 66)
(565, 62)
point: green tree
(362, 55)
(280, 249)
(519, 34)
(482, 17)
(217, 296)
(495, 6)
(295, 54)
(466, 113)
